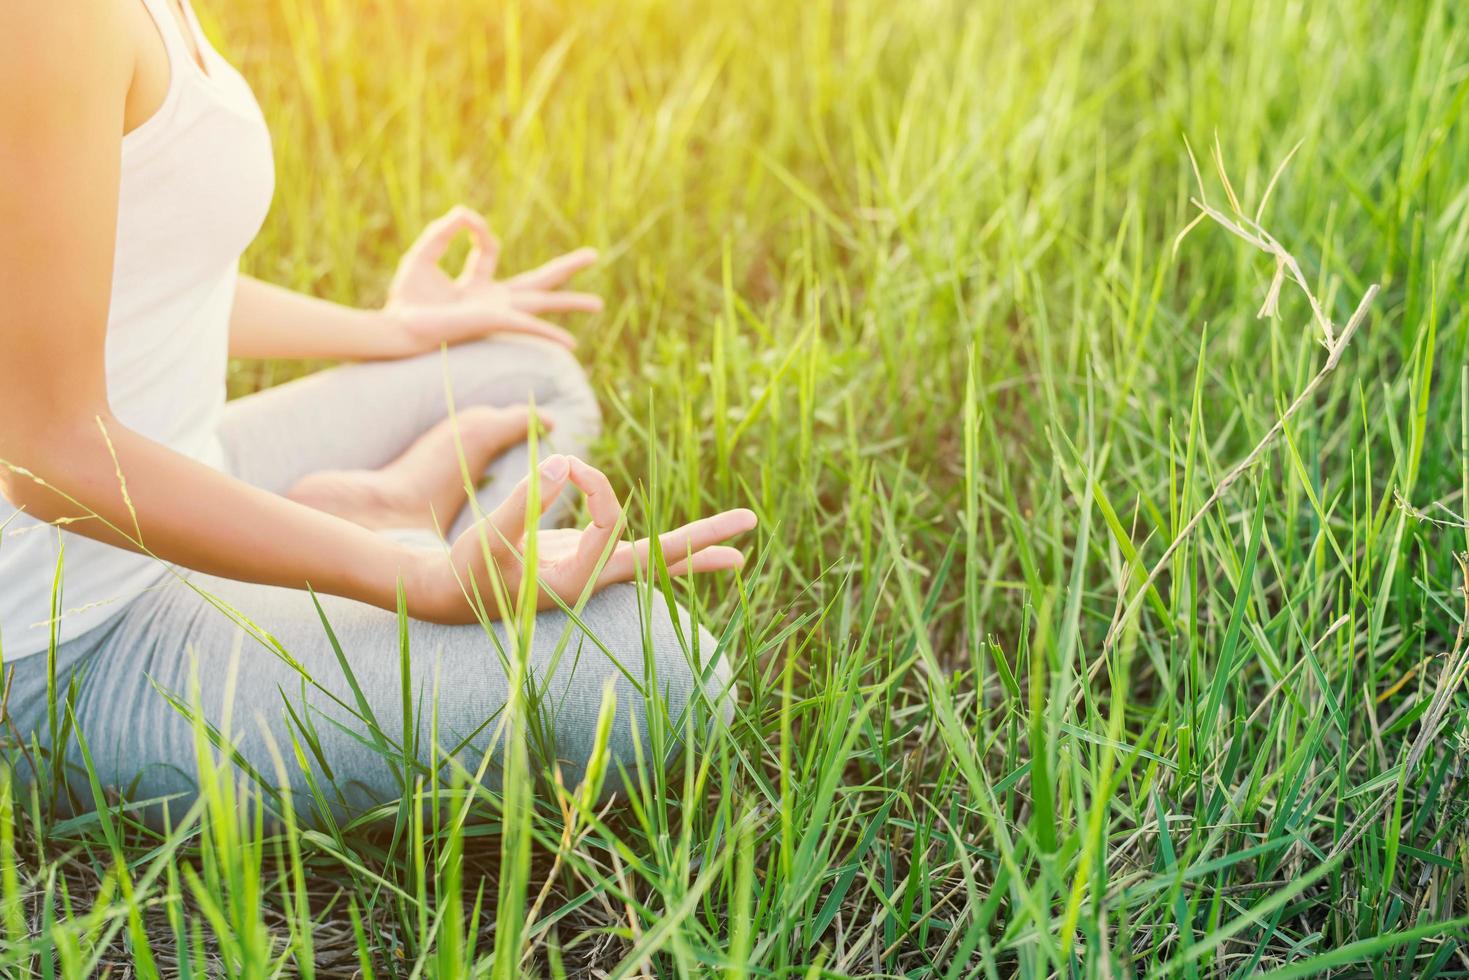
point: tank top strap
(172, 29)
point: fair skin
(76, 77)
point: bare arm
(269, 321)
(63, 83)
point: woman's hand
(428, 308)
(567, 561)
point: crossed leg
(425, 487)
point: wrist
(427, 578)
(418, 572)
(393, 333)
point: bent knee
(668, 675)
(670, 653)
(515, 368)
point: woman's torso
(196, 182)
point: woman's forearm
(103, 481)
(63, 96)
(271, 322)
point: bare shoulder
(60, 54)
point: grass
(906, 279)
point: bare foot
(423, 488)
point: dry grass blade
(1336, 345)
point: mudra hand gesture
(429, 308)
(567, 561)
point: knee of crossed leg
(519, 368)
(670, 680)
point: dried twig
(1286, 266)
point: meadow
(1098, 373)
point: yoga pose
(168, 545)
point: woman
(182, 534)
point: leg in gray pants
(265, 666)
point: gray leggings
(268, 673)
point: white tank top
(197, 180)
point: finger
(484, 255)
(470, 323)
(687, 541)
(541, 301)
(439, 235)
(509, 519)
(624, 566)
(555, 273)
(605, 510)
(515, 321)
(716, 559)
